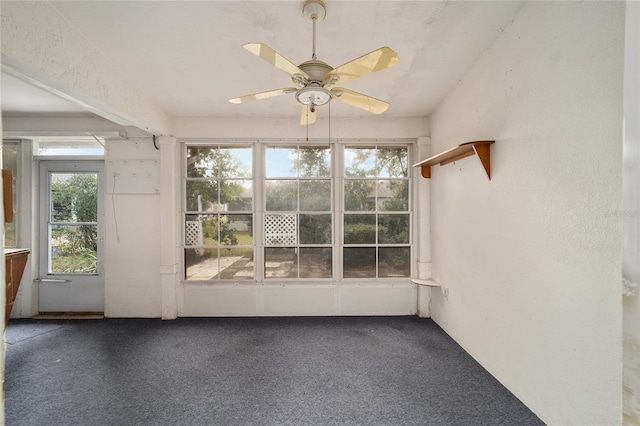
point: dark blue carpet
(248, 371)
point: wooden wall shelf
(426, 282)
(479, 148)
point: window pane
(393, 195)
(315, 195)
(201, 230)
(315, 162)
(236, 229)
(360, 162)
(200, 162)
(80, 145)
(201, 264)
(281, 162)
(359, 229)
(74, 197)
(359, 195)
(10, 162)
(280, 229)
(315, 262)
(359, 262)
(394, 261)
(74, 249)
(202, 196)
(280, 262)
(315, 229)
(219, 162)
(236, 195)
(393, 229)
(234, 162)
(282, 195)
(392, 162)
(236, 264)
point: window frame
(376, 212)
(185, 212)
(298, 211)
(16, 190)
(259, 158)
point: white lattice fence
(193, 234)
(280, 229)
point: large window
(298, 212)
(218, 224)
(376, 213)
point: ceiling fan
(314, 78)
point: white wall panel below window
(296, 300)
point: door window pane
(74, 197)
(73, 249)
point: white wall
(532, 258)
(132, 229)
(631, 216)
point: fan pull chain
(307, 108)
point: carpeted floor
(248, 371)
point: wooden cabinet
(15, 261)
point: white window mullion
(337, 150)
(259, 183)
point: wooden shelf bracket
(479, 148)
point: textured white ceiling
(188, 56)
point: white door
(70, 253)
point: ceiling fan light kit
(314, 78)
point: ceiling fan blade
(274, 58)
(359, 100)
(262, 95)
(308, 117)
(377, 60)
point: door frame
(59, 292)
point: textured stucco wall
(39, 43)
(631, 216)
(531, 260)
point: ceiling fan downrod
(314, 10)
